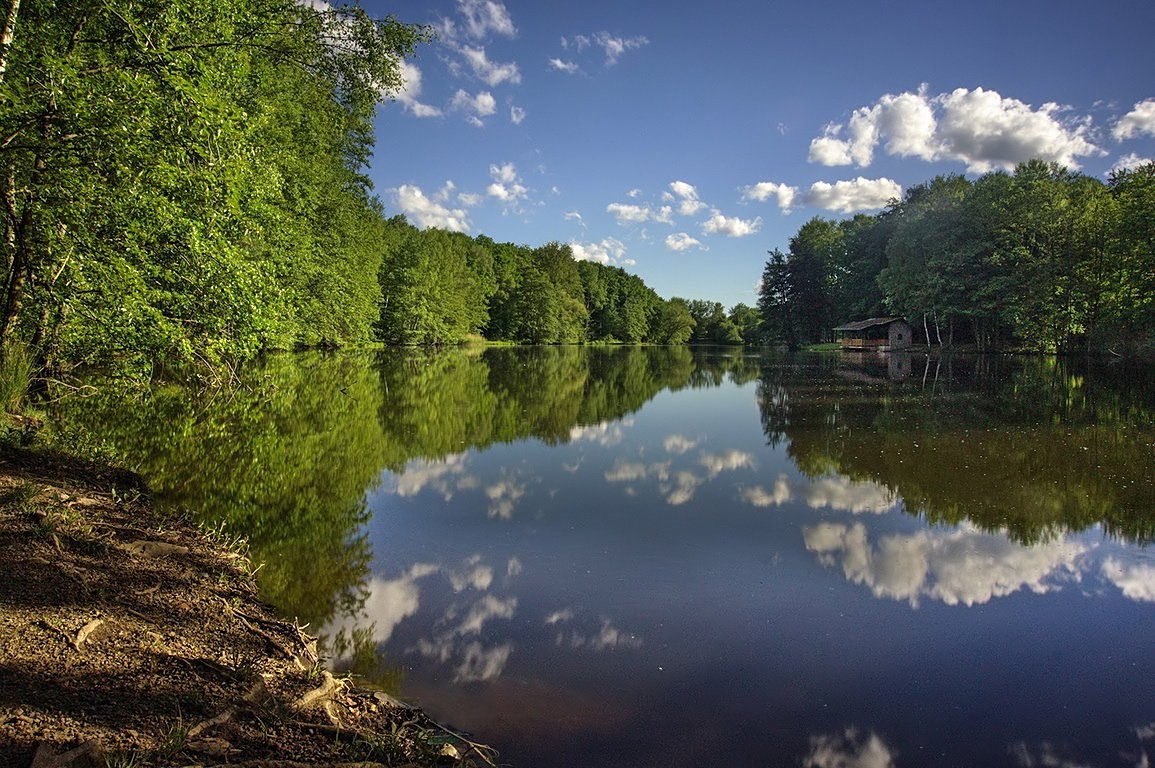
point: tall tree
(162, 160)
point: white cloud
(429, 213)
(473, 574)
(1139, 121)
(833, 492)
(963, 566)
(1137, 580)
(681, 242)
(627, 213)
(479, 663)
(503, 497)
(411, 90)
(764, 190)
(840, 492)
(389, 602)
(614, 47)
(608, 637)
(627, 472)
(491, 73)
(731, 227)
(986, 131)
(516, 115)
(504, 174)
(556, 617)
(469, 199)
(607, 433)
(760, 497)
(560, 65)
(1130, 161)
(688, 204)
(977, 127)
(855, 195)
(717, 463)
(484, 610)
(506, 186)
(685, 484)
(485, 16)
(606, 251)
(679, 444)
(573, 216)
(475, 107)
(444, 193)
(848, 750)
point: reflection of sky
(849, 749)
(966, 566)
(671, 578)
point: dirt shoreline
(130, 638)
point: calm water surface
(640, 557)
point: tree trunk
(21, 256)
(925, 330)
(7, 34)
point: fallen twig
(323, 692)
(85, 632)
(223, 717)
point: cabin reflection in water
(876, 366)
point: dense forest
(1041, 259)
(441, 287)
(184, 181)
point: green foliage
(1031, 445)
(747, 323)
(284, 457)
(16, 371)
(431, 288)
(796, 297)
(674, 324)
(1042, 259)
(184, 179)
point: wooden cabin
(881, 334)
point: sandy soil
(128, 638)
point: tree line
(1043, 259)
(440, 287)
(184, 181)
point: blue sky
(682, 141)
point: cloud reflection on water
(849, 749)
(678, 486)
(1136, 580)
(831, 492)
(964, 566)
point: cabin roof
(860, 325)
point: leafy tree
(432, 289)
(777, 303)
(182, 177)
(673, 323)
(747, 322)
(1132, 293)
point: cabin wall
(900, 335)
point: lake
(691, 557)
